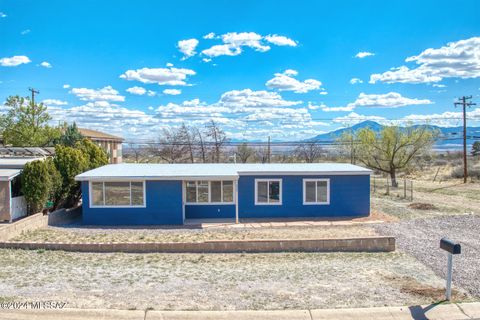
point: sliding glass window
(117, 194)
(209, 192)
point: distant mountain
(451, 138)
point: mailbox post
(452, 248)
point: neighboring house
(149, 194)
(110, 143)
(12, 201)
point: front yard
(218, 281)
(77, 234)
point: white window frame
(209, 203)
(268, 203)
(305, 192)
(144, 205)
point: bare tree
(186, 136)
(138, 151)
(171, 148)
(262, 154)
(199, 138)
(218, 137)
(244, 152)
(309, 151)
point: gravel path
(421, 238)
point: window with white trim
(117, 194)
(316, 191)
(208, 192)
(268, 191)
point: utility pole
(464, 102)
(33, 91)
(269, 151)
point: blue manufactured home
(160, 194)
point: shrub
(96, 156)
(70, 162)
(36, 185)
(473, 172)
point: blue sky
(288, 69)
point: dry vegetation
(117, 235)
(219, 281)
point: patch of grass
(422, 206)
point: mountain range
(450, 138)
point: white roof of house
(16, 163)
(215, 170)
(8, 174)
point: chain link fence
(383, 185)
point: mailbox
(450, 246)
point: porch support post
(236, 201)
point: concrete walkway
(271, 223)
(437, 312)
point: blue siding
(163, 206)
(349, 197)
(209, 211)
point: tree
(201, 144)
(55, 183)
(219, 139)
(244, 152)
(71, 135)
(476, 148)
(187, 138)
(393, 148)
(262, 154)
(26, 124)
(70, 162)
(96, 156)
(36, 185)
(170, 147)
(309, 151)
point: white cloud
(284, 82)
(445, 119)
(206, 60)
(387, 100)
(187, 47)
(248, 98)
(210, 35)
(280, 40)
(354, 118)
(323, 93)
(151, 93)
(364, 54)
(222, 50)
(233, 42)
(2, 15)
(172, 92)
(356, 80)
(24, 32)
(290, 72)
(460, 59)
(161, 76)
(139, 91)
(437, 85)
(107, 93)
(54, 102)
(169, 64)
(14, 61)
(46, 64)
(66, 86)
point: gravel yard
(218, 281)
(421, 238)
(116, 235)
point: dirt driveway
(421, 238)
